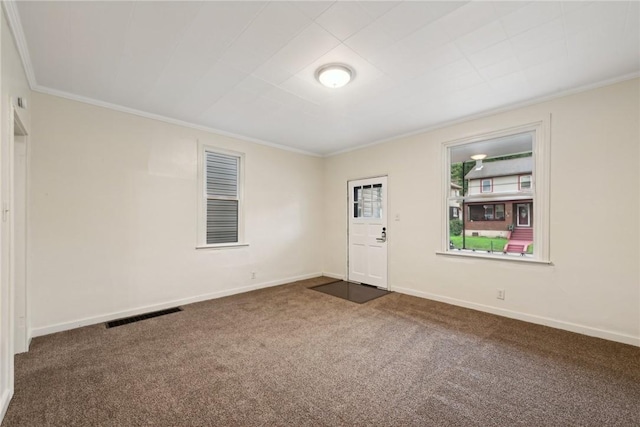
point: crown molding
(15, 24)
(158, 117)
(509, 107)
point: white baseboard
(334, 275)
(46, 330)
(7, 394)
(540, 320)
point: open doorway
(18, 240)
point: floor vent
(140, 317)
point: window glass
(222, 202)
(367, 201)
(491, 174)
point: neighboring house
(455, 211)
(498, 200)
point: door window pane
(367, 201)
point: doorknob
(383, 237)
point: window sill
(495, 257)
(223, 246)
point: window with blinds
(222, 197)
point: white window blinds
(221, 175)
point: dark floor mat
(351, 291)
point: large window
(221, 202)
(503, 199)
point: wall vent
(140, 317)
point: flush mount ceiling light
(334, 75)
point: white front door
(368, 231)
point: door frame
(348, 211)
(518, 205)
(18, 130)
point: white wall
(13, 84)
(593, 286)
(113, 216)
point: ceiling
(247, 68)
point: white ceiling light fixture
(334, 75)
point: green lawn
(483, 243)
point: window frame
(540, 189)
(520, 182)
(490, 185)
(201, 238)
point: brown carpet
(292, 356)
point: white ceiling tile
(219, 80)
(398, 61)
(152, 37)
(270, 71)
(468, 17)
(426, 39)
(603, 43)
(538, 36)
(211, 32)
(286, 98)
(547, 52)
(546, 78)
(254, 85)
(309, 45)
(513, 82)
(481, 38)
(632, 26)
(457, 76)
(238, 98)
(276, 24)
(377, 8)
(369, 41)
(570, 6)
(244, 59)
(504, 8)
(595, 14)
(48, 45)
(409, 16)
(312, 9)
(493, 55)
(305, 89)
(344, 19)
(500, 69)
(97, 28)
(530, 16)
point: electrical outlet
(253, 274)
(500, 294)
